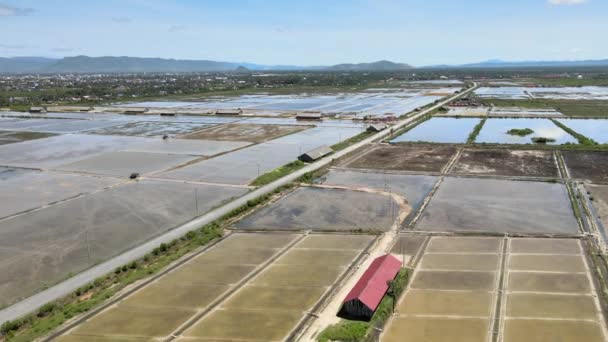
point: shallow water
(440, 130)
(495, 131)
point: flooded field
(325, 209)
(561, 93)
(587, 165)
(8, 137)
(520, 111)
(464, 204)
(35, 189)
(62, 149)
(372, 102)
(152, 129)
(68, 237)
(440, 130)
(592, 129)
(123, 164)
(599, 193)
(506, 163)
(245, 132)
(413, 188)
(242, 166)
(403, 158)
(495, 131)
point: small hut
(316, 154)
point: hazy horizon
(309, 33)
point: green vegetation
(355, 331)
(351, 141)
(476, 130)
(278, 173)
(542, 140)
(584, 108)
(583, 140)
(52, 315)
(520, 132)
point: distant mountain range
(497, 63)
(85, 64)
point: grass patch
(583, 140)
(476, 130)
(351, 141)
(522, 132)
(52, 315)
(278, 173)
(356, 331)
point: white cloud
(8, 11)
(567, 2)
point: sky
(309, 32)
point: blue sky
(311, 32)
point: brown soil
(244, 132)
(404, 158)
(507, 163)
(587, 165)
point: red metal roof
(372, 286)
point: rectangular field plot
(151, 129)
(336, 241)
(306, 257)
(548, 282)
(280, 295)
(599, 193)
(62, 149)
(70, 236)
(298, 275)
(496, 131)
(324, 209)
(545, 246)
(454, 280)
(596, 130)
(413, 188)
(418, 329)
(122, 321)
(404, 158)
(470, 262)
(176, 295)
(187, 147)
(506, 163)
(160, 308)
(9, 137)
(257, 325)
(278, 298)
(464, 204)
(532, 330)
(464, 245)
(123, 164)
(538, 305)
(245, 132)
(447, 303)
(440, 130)
(408, 244)
(36, 189)
(551, 263)
(587, 165)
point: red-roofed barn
(363, 300)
